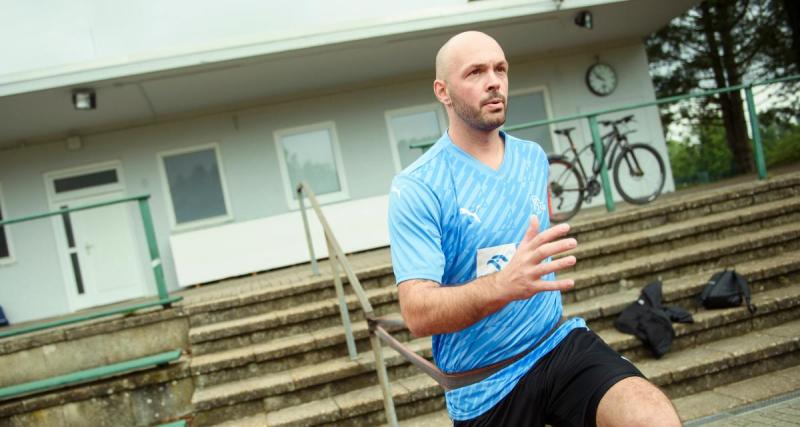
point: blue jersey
(453, 219)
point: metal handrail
(758, 148)
(378, 327)
(155, 262)
(337, 256)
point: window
(528, 107)
(411, 126)
(196, 189)
(311, 154)
(80, 182)
(5, 244)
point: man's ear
(441, 92)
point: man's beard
(474, 116)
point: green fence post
(598, 152)
(758, 147)
(152, 245)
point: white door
(101, 254)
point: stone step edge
(382, 269)
(600, 307)
(673, 231)
(747, 189)
(338, 369)
(660, 262)
(682, 287)
(768, 302)
(299, 314)
(691, 408)
(298, 378)
(738, 395)
(325, 280)
(294, 344)
(330, 410)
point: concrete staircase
(276, 356)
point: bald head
(456, 51)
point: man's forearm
(429, 308)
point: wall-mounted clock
(601, 79)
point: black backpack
(725, 289)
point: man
(471, 249)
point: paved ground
(781, 411)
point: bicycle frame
(612, 141)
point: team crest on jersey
(538, 206)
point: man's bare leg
(635, 402)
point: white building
(216, 109)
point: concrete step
(635, 273)
(285, 293)
(735, 395)
(375, 271)
(710, 402)
(625, 275)
(775, 307)
(679, 374)
(762, 274)
(329, 343)
(725, 361)
(299, 385)
(304, 318)
(305, 384)
(677, 207)
(671, 236)
(279, 355)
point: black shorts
(563, 388)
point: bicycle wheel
(639, 174)
(564, 190)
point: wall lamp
(84, 99)
(584, 20)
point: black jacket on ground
(649, 320)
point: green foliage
(781, 142)
(706, 160)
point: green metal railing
(92, 374)
(758, 148)
(164, 299)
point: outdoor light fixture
(84, 99)
(584, 20)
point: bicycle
(638, 172)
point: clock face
(601, 79)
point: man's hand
(429, 308)
(521, 277)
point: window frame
(289, 190)
(554, 140)
(435, 107)
(10, 259)
(51, 177)
(199, 223)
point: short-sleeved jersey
(453, 219)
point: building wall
(57, 33)
(30, 287)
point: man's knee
(634, 401)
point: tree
(723, 43)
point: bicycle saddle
(564, 131)
(625, 119)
